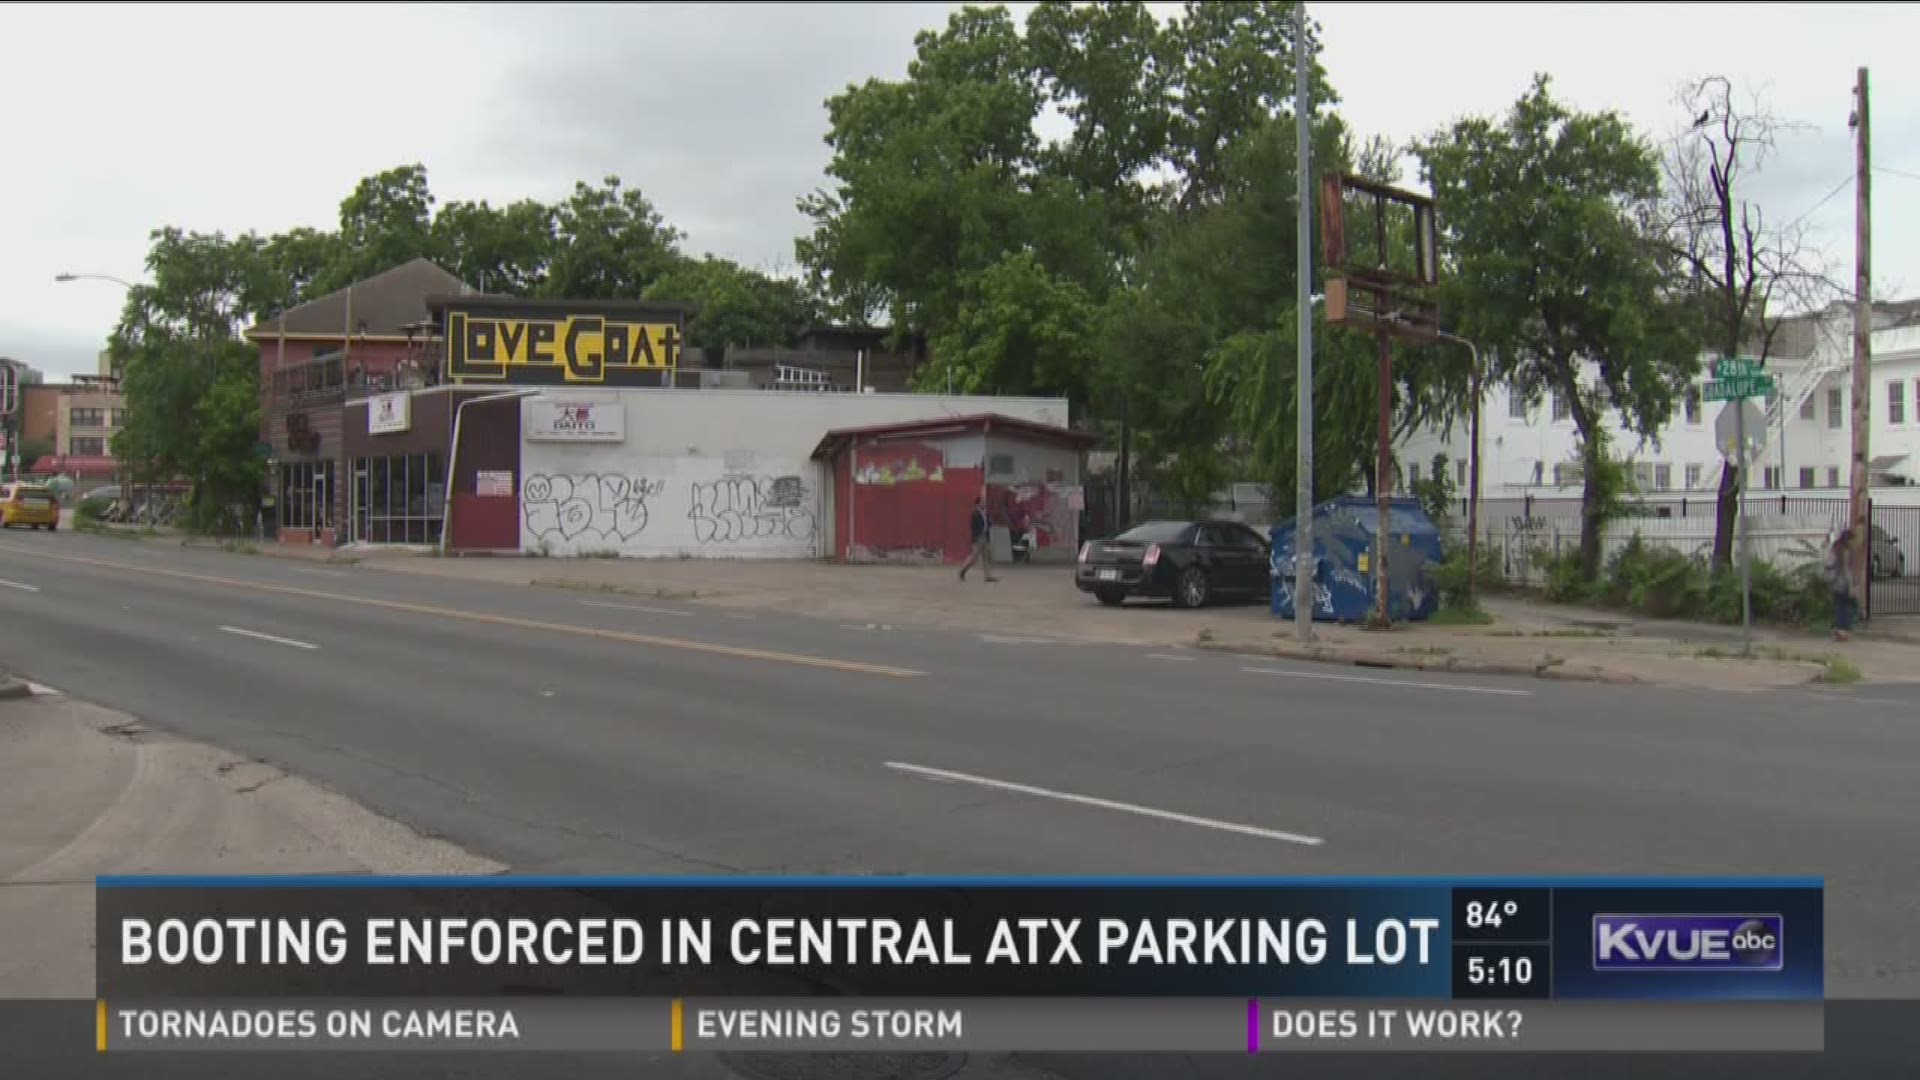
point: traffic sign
(1738, 386)
(1734, 367)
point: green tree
(1555, 269)
(386, 221)
(503, 250)
(931, 175)
(190, 381)
(610, 244)
(736, 306)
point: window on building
(1413, 473)
(1836, 408)
(87, 417)
(1807, 407)
(1000, 465)
(1460, 473)
(87, 446)
(119, 418)
(1663, 477)
(1896, 402)
(1539, 473)
(306, 494)
(1516, 404)
(1693, 475)
(399, 500)
(1643, 475)
(1693, 404)
(1806, 476)
(1770, 478)
(1560, 409)
(1565, 474)
(1833, 476)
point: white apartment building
(1532, 447)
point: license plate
(1109, 575)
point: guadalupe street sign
(1739, 386)
(1734, 367)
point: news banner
(798, 965)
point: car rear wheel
(1109, 597)
(1191, 590)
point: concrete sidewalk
(86, 791)
(1527, 638)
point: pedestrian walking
(1840, 580)
(980, 531)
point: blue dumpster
(1343, 532)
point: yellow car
(28, 504)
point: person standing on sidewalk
(980, 531)
(1840, 580)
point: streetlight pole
(1473, 466)
(1304, 595)
(67, 277)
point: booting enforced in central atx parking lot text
(779, 940)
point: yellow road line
(679, 1041)
(100, 1026)
(740, 652)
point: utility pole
(1305, 596)
(1862, 330)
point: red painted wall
(489, 440)
(901, 502)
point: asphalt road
(561, 731)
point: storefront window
(306, 494)
(399, 499)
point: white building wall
(713, 473)
(1809, 442)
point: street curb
(1361, 658)
(11, 688)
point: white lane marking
(43, 690)
(1104, 804)
(1166, 656)
(21, 587)
(268, 637)
(635, 607)
(318, 573)
(738, 615)
(1011, 639)
(867, 627)
(1390, 682)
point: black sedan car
(1189, 562)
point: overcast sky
(120, 119)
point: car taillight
(1151, 557)
(1085, 550)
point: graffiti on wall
(903, 463)
(566, 508)
(1037, 509)
(737, 508)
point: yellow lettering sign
(577, 349)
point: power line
(1824, 200)
(1896, 172)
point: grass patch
(603, 553)
(1571, 632)
(1839, 671)
(1461, 616)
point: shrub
(1450, 575)
(1658, 582)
